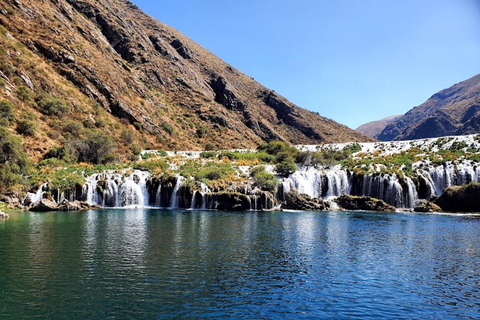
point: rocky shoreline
(460, 199)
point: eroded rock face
(109, 54)
(44, 205)
(298, 201)
(427, 206)
(460, 198)
(363, 203)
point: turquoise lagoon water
(154, 264)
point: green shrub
(209, 146)
(73, 127)
(235, 156)
(52, 106)
(13, 161)
(286, 168)
(127, 137)
(281, 150)
(52, 163)
(264, 180)
(352, 148)
(201, 131)
(165, 126)
(151, 165)
(214, 171)
(26, 127)
(62, 153)
(24, 93)
(94, 148)
(7, 69)
(208, 154)
(100, 122)
(6, 113)
(136, 150)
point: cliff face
(118, 69)
(453, 111)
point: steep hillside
(373, 128)
(453, 111)
(76, 68)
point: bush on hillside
(263, 180)
(13, 161)
(52, 106)
(26, 127)
(6, 113)
(24, 93)
(95, 148)
(281, 150)
(286, 168)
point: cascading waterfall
(174, 199)
(110, 189)
(135, 188)
(440, 177)
(203, 192)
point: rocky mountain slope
(373, 128)
(453, 111)
(73, 67)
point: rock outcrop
(298, 201)
(460, 198)
(348, 202)
(46, 205)
(427, 206)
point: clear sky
(350, 60)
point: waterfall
(133, 192)
(174, 199)
(192, 206)
(203, 192)
(158, 196)
(40, 192)
(412, 193)
(111, 189)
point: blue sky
(353, 61)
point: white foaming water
(203, 192)
(111, 189)
(174, 199)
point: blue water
(153, 264)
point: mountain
(373, 128)
(453, 111)
(73, 67)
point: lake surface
(154, 264)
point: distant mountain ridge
(373, 128)
(453, 111)
(118, 69)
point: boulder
(300, 201)
(3, 215)
(427, 206)
(44, 205)
(460, 198)
(48, 205)
(363, 203)
(76, 206)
